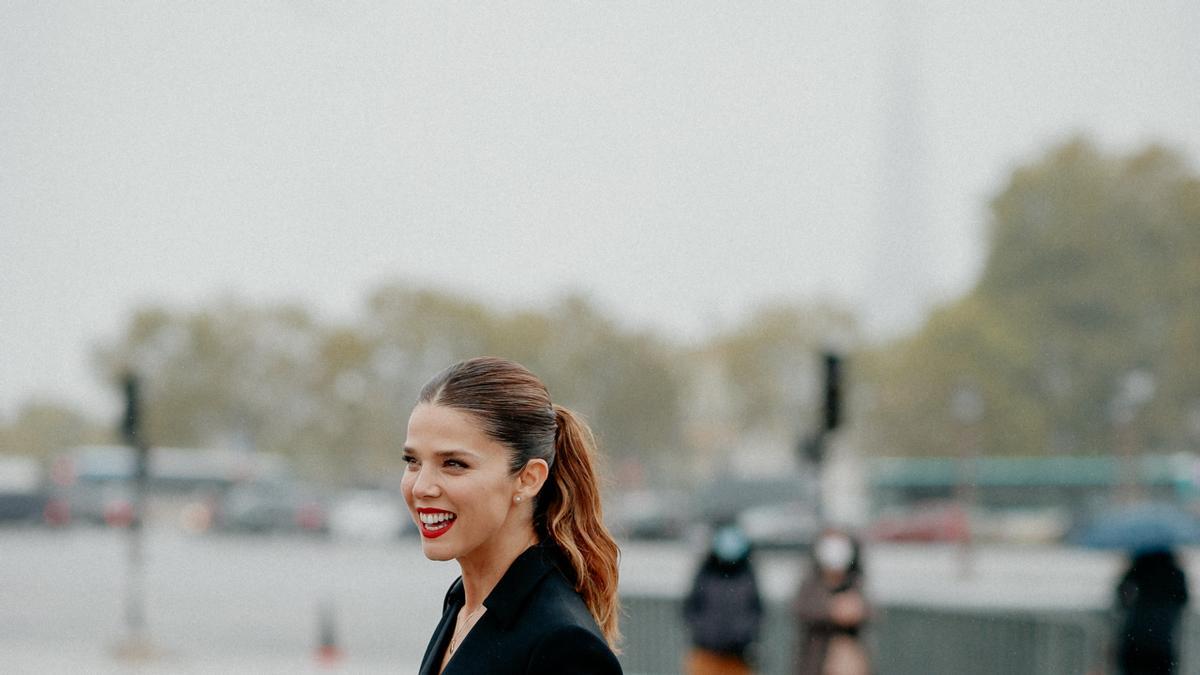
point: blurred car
(1140, 526)
(648, 514)
(1043, 525)
(99, 503)
(369, 515)
(722, 500)
(23, 491)
(183, 486)
(272, 506)
(926, 522)
(788, 525)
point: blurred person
(724, 610)
(831, 609)
(501, 480)
(1150, 599)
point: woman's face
(457, 485)
(834, 552)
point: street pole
(136, 645)
(967, 407)
(1134, 390)
(815, 446)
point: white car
(368, 515)
(788, 525)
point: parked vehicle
(722, 500)
(23, 490)
(775, 512)
(648, 514)
(1137, 526)
(94, 484)
(369, 515)
(272, 506)
(928, 522)
(786, 525)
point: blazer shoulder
(572, 648)
(556, 605)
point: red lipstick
(433, 523)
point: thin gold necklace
(461, 632)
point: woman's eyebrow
(444, 453)
(454, 453)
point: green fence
(910, 640)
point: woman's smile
(435, 522)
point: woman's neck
(484, 567)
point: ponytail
(571, 516)
(513, 407)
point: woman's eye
(410, 461)
(454, 463)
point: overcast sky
(680, 162)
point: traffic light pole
(136, 645)
(816, 445)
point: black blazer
(535, 624)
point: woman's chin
(435, 552)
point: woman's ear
(532, 477)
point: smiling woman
(501, 480)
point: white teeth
(435, 518)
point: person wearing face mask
(831, 610)
(724, 610)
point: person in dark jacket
(501, 480)
(724, 610)
(1150, 598)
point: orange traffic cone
(328, 652)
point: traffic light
(812, 446)
(132, 421)
(831, 416)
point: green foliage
(1093, 272)
(770, 363)
(229, 375)
(337, 398)
(42, 428)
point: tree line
(335, 396)
(1083, 328)
(1091, 285)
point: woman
(831, 609)
(724, 609)
(501, 480)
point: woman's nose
(426, 484)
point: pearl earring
(518, 498)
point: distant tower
(900, 282)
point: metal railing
(912, 640)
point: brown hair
(513, 407)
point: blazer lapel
(437, 646)
(471, 657)
(504, 604)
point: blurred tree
(624, 382)
(337, 398)
(757, 387)
(1093, 273)
(42, 428)
(770, 365)
(229, 375)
